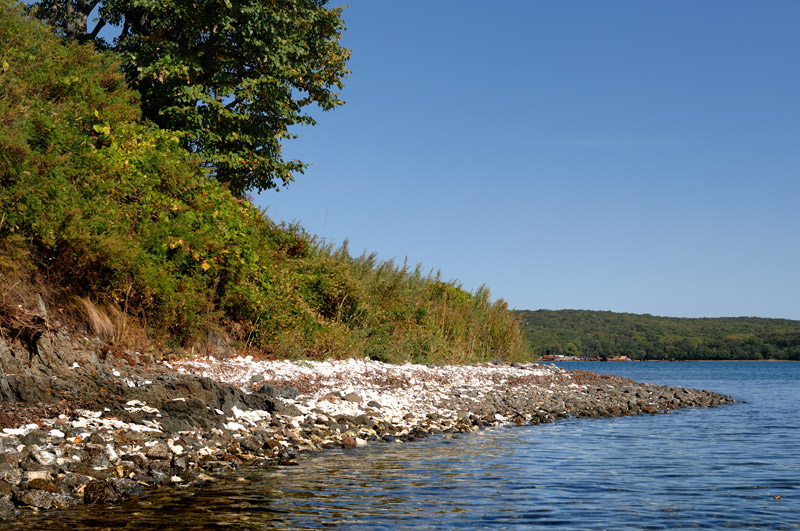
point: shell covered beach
(80, 426)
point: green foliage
(645, 337)
(231, 77)
(104, 205)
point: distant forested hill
(646, 337)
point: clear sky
(619, 155)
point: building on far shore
(561, 357)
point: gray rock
(159, 451)
(100, 460)
(273, 391)
(7, 509)
(43, 457)
(35, 437)
(111, 453)
(44, 499)
(289, 392)
(127, 487)
(286, 409)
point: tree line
(647, 337)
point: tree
(232, 76)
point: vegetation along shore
(608, 335)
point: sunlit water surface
(701, 468)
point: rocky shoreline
(81, 423)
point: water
(701, 468)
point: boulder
(98, 491)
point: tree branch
(100, 24)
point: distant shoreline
(592, 334)
(672, 361)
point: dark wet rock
(285, 408)
(8, 510)
(91, 472)
(35, 437)
(96, 438)
(127, 488)
(251, 443)
(73, 482)
(162, 467)
(137, 460)
(233, 459)
(42, 499)
(99, 492)
(44, 484)
(273, 391)
(98, 459)
(363, 420)
(27, 462)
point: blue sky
(618, 155)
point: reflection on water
(696, 468)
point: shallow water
(699, 468)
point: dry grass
(96, 319)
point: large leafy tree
(233, 76)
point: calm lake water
(702, 468)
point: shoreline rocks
(117, 426)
